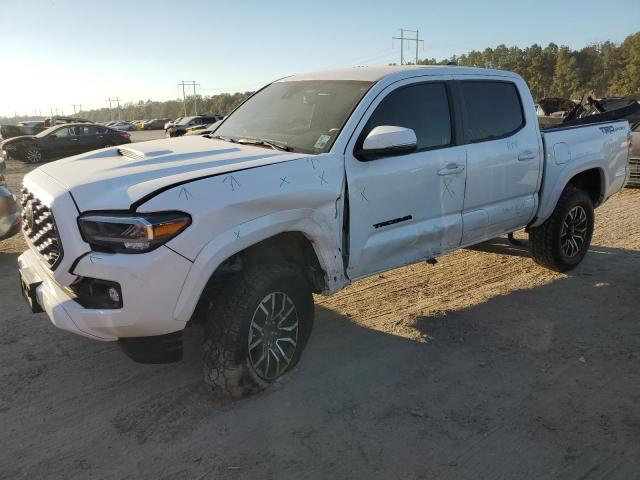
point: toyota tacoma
(314, 182)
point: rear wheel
(563, 240)
(33, 154)
(257, 329)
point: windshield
(306, 116)
(47, 131)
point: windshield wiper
(266, 143)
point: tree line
(604, 69)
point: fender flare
(323, 240)
(547, 206)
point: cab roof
(375, 74)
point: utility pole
(110, 114)
(79, 105)
(402, 39)
(117, 100)
(190, 83)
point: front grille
(39, 228)
(634, 168)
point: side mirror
(386, 141)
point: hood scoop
(139, 155)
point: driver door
(61, 143)
(406, 208)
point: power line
(402, 39)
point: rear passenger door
(503, 159)
(405, 208)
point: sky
(56, 53)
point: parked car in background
(202, 129)
(180, 128)
(58, 120)
(634, 157)
(10, 219)
(155, 124)
(171, 123)
(62, 141)
(31, 127)
(552, 110)
(122, 126)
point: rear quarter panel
(570, 151)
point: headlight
(131, 233)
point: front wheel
(33, 154)
(257, 329)
(562, 241)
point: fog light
(114, 295)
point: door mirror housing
(387, 141)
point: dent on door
(408, 210)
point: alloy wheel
(273, 335)
(34, 155)
(574, 231)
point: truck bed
(573, 149)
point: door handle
(100, 136)
(74, 139)
(526, 155)
(451, 169)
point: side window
(62, 132)
(493, 109)
(424, 108)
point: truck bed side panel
(573, 150)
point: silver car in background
(10, 219)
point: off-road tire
(228, 369)
(545, 240)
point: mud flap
(156, 349)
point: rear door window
(493, 110)
(424, 108)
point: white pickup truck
(314, 182)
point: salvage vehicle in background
(31, 127)
(552, 110)
(171, 123)
(180, 128)
(155, 124)
(62, 141)
(634, 157)
(314, 182)
(122, 126)
(10, 218)
(202, 129)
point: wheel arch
(592, 179)
(592, 182)
(303, 242)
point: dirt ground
(484, 366)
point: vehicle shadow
(539, 383)
(502, 246)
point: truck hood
(115, 178)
